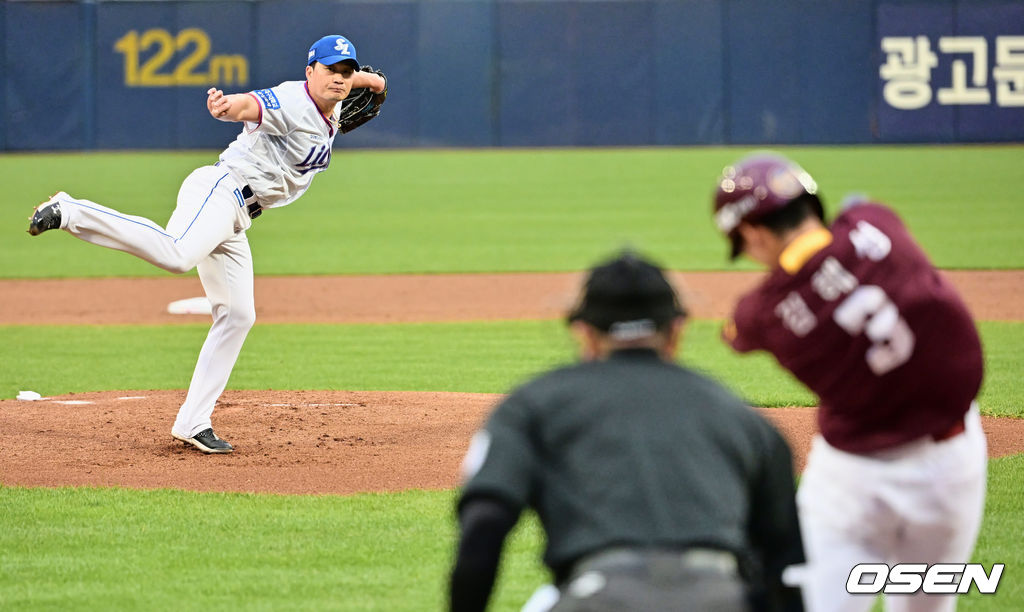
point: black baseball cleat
(47, 215)
(206, 441)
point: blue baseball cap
(331, 50)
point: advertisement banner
(951, 72)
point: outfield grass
(470, 357)
(120, 549)
(530, 210)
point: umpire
(656, 487)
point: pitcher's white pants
(207, 229)
(921, 502)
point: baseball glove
(361, 105)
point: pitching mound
(320, 442)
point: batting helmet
(756, 186)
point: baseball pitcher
(286, 140)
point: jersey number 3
(869, 310)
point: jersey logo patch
(268, 98)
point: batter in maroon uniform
(857, 313)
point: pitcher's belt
(251, 204)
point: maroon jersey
(862, 318)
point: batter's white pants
(919, 503)
(207, 229)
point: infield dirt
(992, 295)
(337, 442)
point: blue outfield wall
(467, 73)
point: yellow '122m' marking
(159, 69)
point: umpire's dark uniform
(656, 487)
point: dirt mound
(319, 442)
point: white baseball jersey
(279, 154)
(277, 158)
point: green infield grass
(518, 210)
(478, 357)
(120, 549)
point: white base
(191, 306)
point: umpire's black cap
(627, 296)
